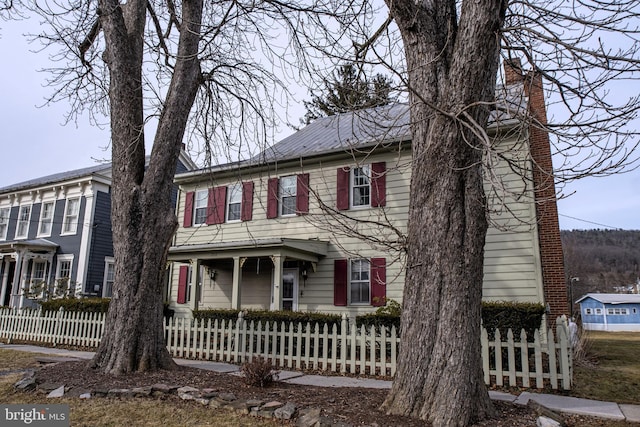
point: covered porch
(26, 271)
(267, 274)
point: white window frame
(356, 177)
(4, 222)
(33, 281)
(616, 311)
(70, 221)
(234, 198)
(108, 279)
(63, 259)
(200, 203)
(587, 311)
(359, 266)
(46, 221)
(598, 311)
(287, 189)
(23, 222)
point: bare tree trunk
(452, 70)
(142, 216)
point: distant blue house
(610, 312)
(55, 235)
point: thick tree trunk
(143, 220)
(452, 70)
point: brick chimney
(551, 254)
(512, 71)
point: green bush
(87, 305)
(500, 315)
(268, 316)
(504, 315)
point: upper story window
(360, 186)
(24, 216)
(71, 213)
(4, 222)
(200, 207)
(287, 195)
(46, 219)
(234, 204)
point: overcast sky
(35, 143)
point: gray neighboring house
(55, 235)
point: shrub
(87, 305)
(504, 315)
(268, 316)
(259, 372)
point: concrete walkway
(565, 404)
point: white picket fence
(544, 362)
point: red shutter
(188, 209)
(246, 207)
(272, 198)
(378, 184)
(342, 191)
(340, 282)
(182, 284)
(302, 194)
(378, 282)
(216, 205)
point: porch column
(236, 293)
(22, 279)
(5, 277)
(278, 262)
(195, 280)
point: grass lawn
(614, 374)
(115, 412)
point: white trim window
(37, 284)
(361, 186)
(587, 311)
(617, 311)
(288, 193)
(63, 275)
(71, 213)
(200, 202)
(109, 277)
(598, 311)
(46, 219)
(24, 217)
(360, 281)
(4, 222)
(234, 202)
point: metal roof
(58, 177)
(613, 298)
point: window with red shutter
(247, 201)
(342, 190)
(340, 282)
(272, 198)
(378, 184)
(378, 282)
(183, 279)
(188, 209)
(302, 194)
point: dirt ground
(354, 406)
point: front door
(290, 289)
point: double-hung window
(360, 282)
(200, 207)
(24, 216)
(234, 204)
(71, 213)
(360, 186)
(109, 278)
(46, 219)
(63, 275)
(288, 192)
(4, 222)
(38, 274)
(617, 311)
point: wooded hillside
(601, 259)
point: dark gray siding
(101, 243)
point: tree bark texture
(452, 64)
(143, 220)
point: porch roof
(35, 245)
(307, 249)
